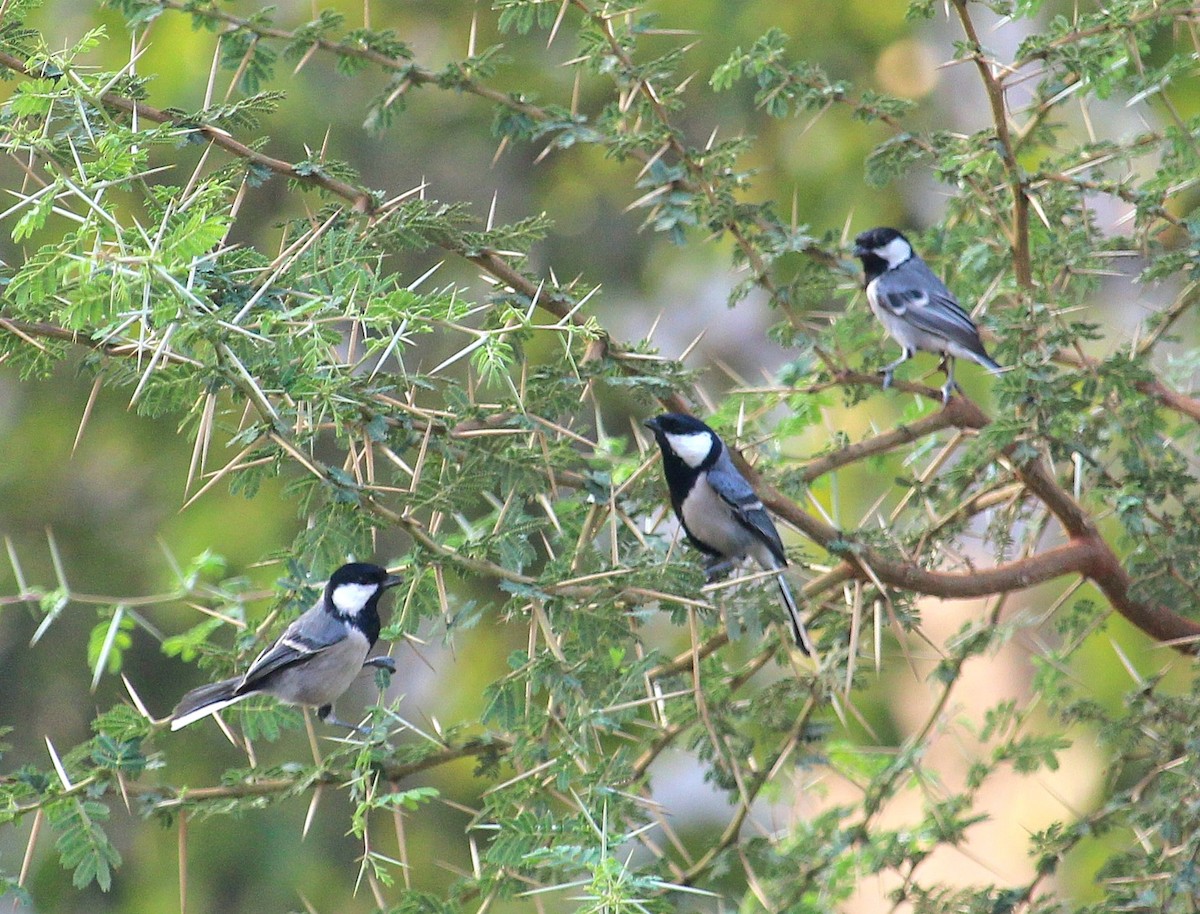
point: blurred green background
(113, 502)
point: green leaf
(82, 844)
(189, 644)
(108, 642)
(118, 755)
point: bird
(915, 307)
(717, 507)
(316, 658)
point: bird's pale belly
(324, 677)
(906, 334)
(710, 520)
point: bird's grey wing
(312, 633)
(919, 297)
(732, 488)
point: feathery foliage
(481, 425)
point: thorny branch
(1089, 555)
(1020, 200)
(166, 797)
(1084, 553)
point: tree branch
(389, 770)
(1022, 264)
(1078, 556)
(880, 444)
(1086, 553)
(360, 200)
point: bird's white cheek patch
(693, 448)
(895, 252)
(351, 598)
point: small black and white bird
(915, 307)
(316, 658)
(718, 509)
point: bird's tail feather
(208, 699)
(799, 632)
(988, 362)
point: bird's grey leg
(905, 355)
(381, 663)
(715, 568)
(325, 715)
(948, 387)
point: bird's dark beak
(860, 251)
(392, 580)
(652, 424)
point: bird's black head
(676, 424)
(353, 594)
(688, 447)
(881, 249)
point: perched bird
(916, 308)
(720, 513)
(316, 658)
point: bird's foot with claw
(382, 663)
(326, 715)
(887, 378)
(714, 571)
